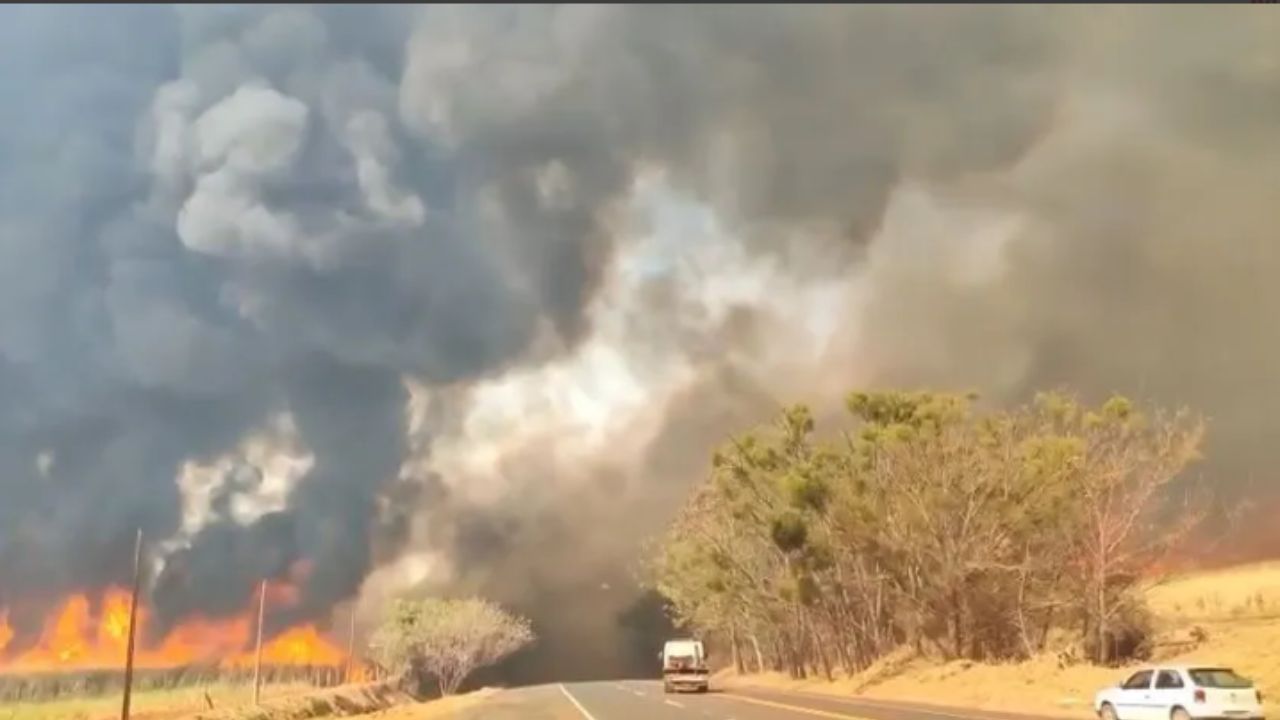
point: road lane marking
(796, 708)
(620, 686)
(633, 691)
(673, 703)
(890, 706)
(575, 702)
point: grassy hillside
(1247, 591)
(1235, 611)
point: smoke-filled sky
(460, 297)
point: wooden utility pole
(257, 659)
(351, 646)
(133, 622)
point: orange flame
(84, 635)
(360, 673)
(6, 632)
(302, 645)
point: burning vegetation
(90, 631)
(79, 647)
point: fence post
(133, 621)
(257, 658)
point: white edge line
(909, 707)
(575, 702)
(673, 703)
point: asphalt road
(644, 700)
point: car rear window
(1218, 678)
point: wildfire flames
(82, 634)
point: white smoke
(246, 483)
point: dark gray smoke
(214, 215)
(211, 218)
(1004, 199)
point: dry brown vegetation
(1226, 616)
(441, 642)
(158, 682)
(443, 708)
(334, 702)
(158, 704)
(222, 702)
(377, 701)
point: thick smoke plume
(460, 298)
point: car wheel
(1108, 712)
(1180, 714)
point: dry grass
(344, 700)
(1237, 609)
(147, 705)
(1247, 591)
(435, 709)
(234, 702)
(1038, 686)
(378, 701)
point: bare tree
(449, 639)
(1124, 462)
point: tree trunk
(957, 625)
(1045, 628)
(1100, 624)
(1024, 633)
(820, 649)
(755, 645)
(738, 665)
(796, 656)
(842, 644)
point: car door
(1133, 701)
(1167, 692)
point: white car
(1181, 693)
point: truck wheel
(1107, 712)
(1180, 714)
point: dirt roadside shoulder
(957, 697)
(374, 700)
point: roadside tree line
(927, 523)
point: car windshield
(1219, 678)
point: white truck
(684, 666)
